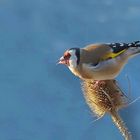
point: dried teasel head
(103, 96)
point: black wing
(117, 47)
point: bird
(101, 61)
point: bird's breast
(105, 70)
(79, 72)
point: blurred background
(42, 101)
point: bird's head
(71, 58)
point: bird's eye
(67, 55)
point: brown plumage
(94, 53)
(91, 54)
(99, 61)
(106, 97)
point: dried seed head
(103, 96)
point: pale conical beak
(64, 61)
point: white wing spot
(129, 44)
(121, 44)
(114, 46)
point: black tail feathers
(134, 44)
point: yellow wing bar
(112, 55)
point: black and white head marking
(75, 57)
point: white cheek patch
(73, 63)
(73, 59)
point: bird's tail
(134, 49)
(135, 44)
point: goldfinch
(99, 61)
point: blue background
(42, 101)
